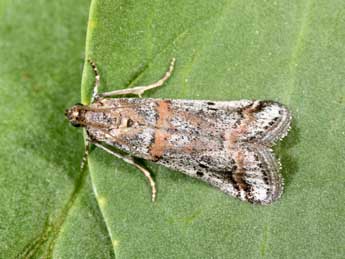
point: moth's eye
(75, 124)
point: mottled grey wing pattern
(227, 144)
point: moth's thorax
(102, 118)
(113, 120)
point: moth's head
(76, 115)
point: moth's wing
(250, 173)
(259, 121)
(257, 177)
(254, 177)
(265, 122)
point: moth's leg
(86, 155)
(130, 160)
(97, 80)
(139, 90)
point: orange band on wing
(161, 135)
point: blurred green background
(288, 51)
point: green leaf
(288, 51)
(47, 206)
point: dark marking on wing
(199, 174)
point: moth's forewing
(226, 144)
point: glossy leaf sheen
(288, 51)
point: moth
(224, 143)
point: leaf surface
(47, 207)
(288, 51)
